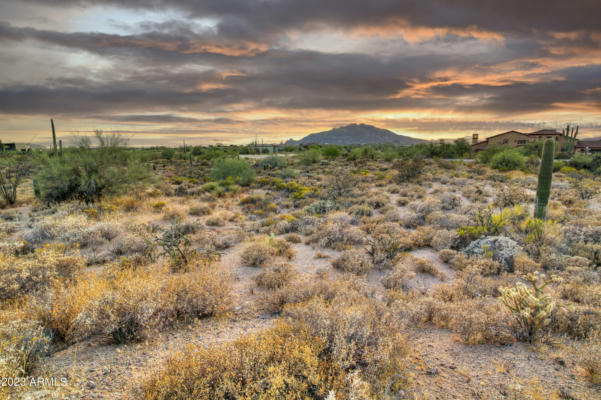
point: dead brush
(590, 361)
(427, 267)
(354, 261)
(337, 233)
(22, 344)
(124, 305)
(276, 277)
(263, 251)
(34, 273)
(317, 348)
(386, 250)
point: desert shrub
(579, 322)
(22, 344)
(483, 322)
(33, 273)
(87, 173)
(320, 207)
(288, 173)
(281, 248)
(525, 265)
(408, 169)
(322, 346)
(331, 151)
(581, 161)
(214, 220)
(272, 162)
(238, 170)
(260, 252)
(486, 155)
(337, 233)
(309, 157)
(354, 261)
(508, 160)
(256, 254)
(360, 335)
(446, 255)
(176, 246)
(339, 185)
(425, 206)
(293, 238)
(386, 249)
(510, 196)
(12, 172)
(581, 293)
(476, 321)
(422, 236)
(125, 305)
(427, 267)
(377, 201)
(487, 223)
(200, 210)
(589, 359)
(361, 211)
(362, 153)
(450, 201)
(276, 277)
(444, 239)
(278, 363)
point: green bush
(239, 170)
(581, 161)
(508, 160)
(331, 151)
(88, 173)
(486, 155)
(362, 153)
(272, 162)
(309, 157)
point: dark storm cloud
(252, 56)
(572, 85)
(161, 118)
(248, 18)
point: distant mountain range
(356, 134)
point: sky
(161, 72)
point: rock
(503, 249)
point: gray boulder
(503, 249)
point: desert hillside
(356, 134)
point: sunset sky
(161, 72)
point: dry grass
(126, 304)
(262, 251)
(276, 277)
(354, 261)
(317, 349)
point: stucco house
(517, 139)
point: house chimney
(474, 138)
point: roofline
(499, 134)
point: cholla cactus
(531, 307)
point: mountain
(355, 134)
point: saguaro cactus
(571, 137)
(55, 150)
(545, 174)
